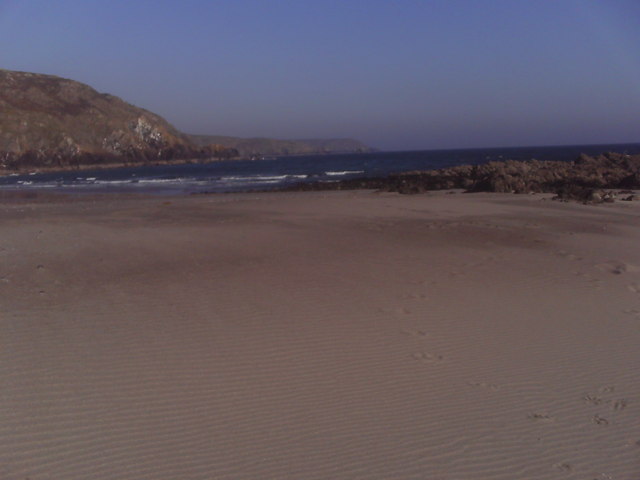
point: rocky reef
(584, 179)
(50, 122)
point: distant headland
(52, 123)
(257, 147)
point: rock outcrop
(583, 179)
(48, 122)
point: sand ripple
(293, 340)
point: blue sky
(398, 75)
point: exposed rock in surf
(585, 179)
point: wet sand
(319, 335)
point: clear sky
(398, 75)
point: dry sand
(342, 335)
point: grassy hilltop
(52, 122)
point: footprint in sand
(604, 476)
(564, 467)
(540, 417)
(598, 420)
(427, 357)
(620, 404)
(618, 268)
(593, 400)
(617, 405)
(625, 268)
(599, 399)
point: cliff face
(51, 122)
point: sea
(272, 173)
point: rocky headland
(584, 179)
(258, 147)
(51, 123)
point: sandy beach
(319, 335)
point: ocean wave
(252, 178)
(242, 182)
(260, 178)
(117, 182)
(344, 172)
(161, 180)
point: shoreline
(110, 166)
(586, 179)
(116, 165)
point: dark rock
(586, 179)
(630, 181)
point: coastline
(587, 178)
(112, 165)
(108, 166)
(319, 335)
